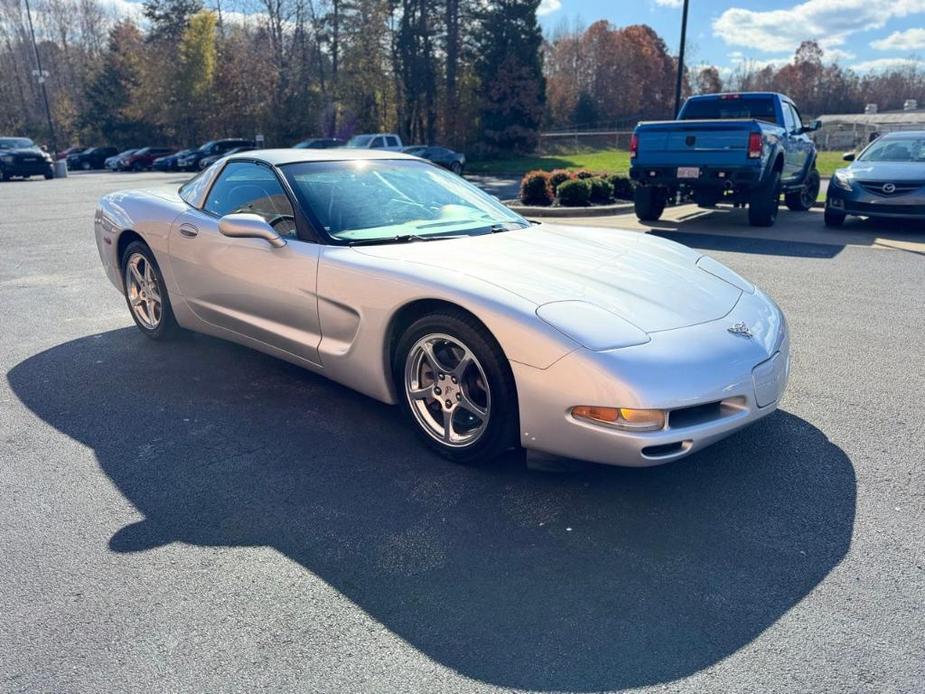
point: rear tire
(144, 285)
(427, 359)
(833, 218)
(803, 199)
(648, 203)
(762, 207)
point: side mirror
(848, 156)
(249, 226)
(817, 125)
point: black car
(221, 147)
(445, 157)
(171, 161)
(92, 158)
(320, 143)
(20, 157)
(887, 179)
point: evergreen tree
(169, 17)
(510, 69)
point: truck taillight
(634, 146)
(754, 145)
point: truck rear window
(760, 108)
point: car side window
(376, 143)
(244, 186)
(393, 141)
(788, 117)
(797, 119)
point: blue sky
(863, 34)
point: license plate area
(688, 172)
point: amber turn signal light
(622, 417)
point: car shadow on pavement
(592, 579)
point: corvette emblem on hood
(740, 329)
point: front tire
(456, 387)
(146, 293)
(762, 208)
(833, 218)
(803, 199)
(648, 203)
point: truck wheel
(649, 203)
(762, 207)
(803, 199)
(834, 218)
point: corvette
(406, 283)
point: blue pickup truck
(742, 148)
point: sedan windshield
(898, 149)
(15, 142)
(359, 141)
(395, 200)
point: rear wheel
(146, 293)
(648, 203)
(762, 207)
(456, 387)
(803, 199)
(834, 218)
(86, 166)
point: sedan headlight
(842, 179)
(621, 417)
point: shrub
(575, 193)
(584, 173)
(557, 177)
(622, 187)
(601, 190)
(535, 189)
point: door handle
(189, 231)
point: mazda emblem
(888, 188)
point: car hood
(888, 171)
(22, 152)
(653, 283)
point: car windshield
(15, 142)
(896, 149)
(360, 141)
(387, 199)
(759, 108)
(127, 152)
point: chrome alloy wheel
(447, 390)
(144, 294)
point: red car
(144, 158)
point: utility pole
(677, 88)
(42, 76)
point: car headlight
(8, 159)
(842, 179)
(621, 417)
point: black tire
(834, 218)
(803, 199)
(762, 207)
(167, 326)
(86, 166)
(648, 203)
(501, 432)
(49, 176)
(456, 168)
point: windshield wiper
(405, 238)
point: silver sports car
(401, 280)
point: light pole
(677, 88)
(42, 75)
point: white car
(390, 142)
(405, 282)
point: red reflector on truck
(634, 145)
(754, 145)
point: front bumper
(861, 203)
(711, 177)
(22, 167)
(711, 382)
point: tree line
(474, 74)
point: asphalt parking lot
(195, 516)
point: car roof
(279, 157)
(896, 134)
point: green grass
(608, 160)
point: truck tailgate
(705, 143)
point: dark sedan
(171, 162)
(445, 157)
(887, 179)
(20, 157)
(92, 158)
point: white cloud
(909, 40)
(833, 54)
(549, 6)
(830, 22)
(669, 3)
(888, 64)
